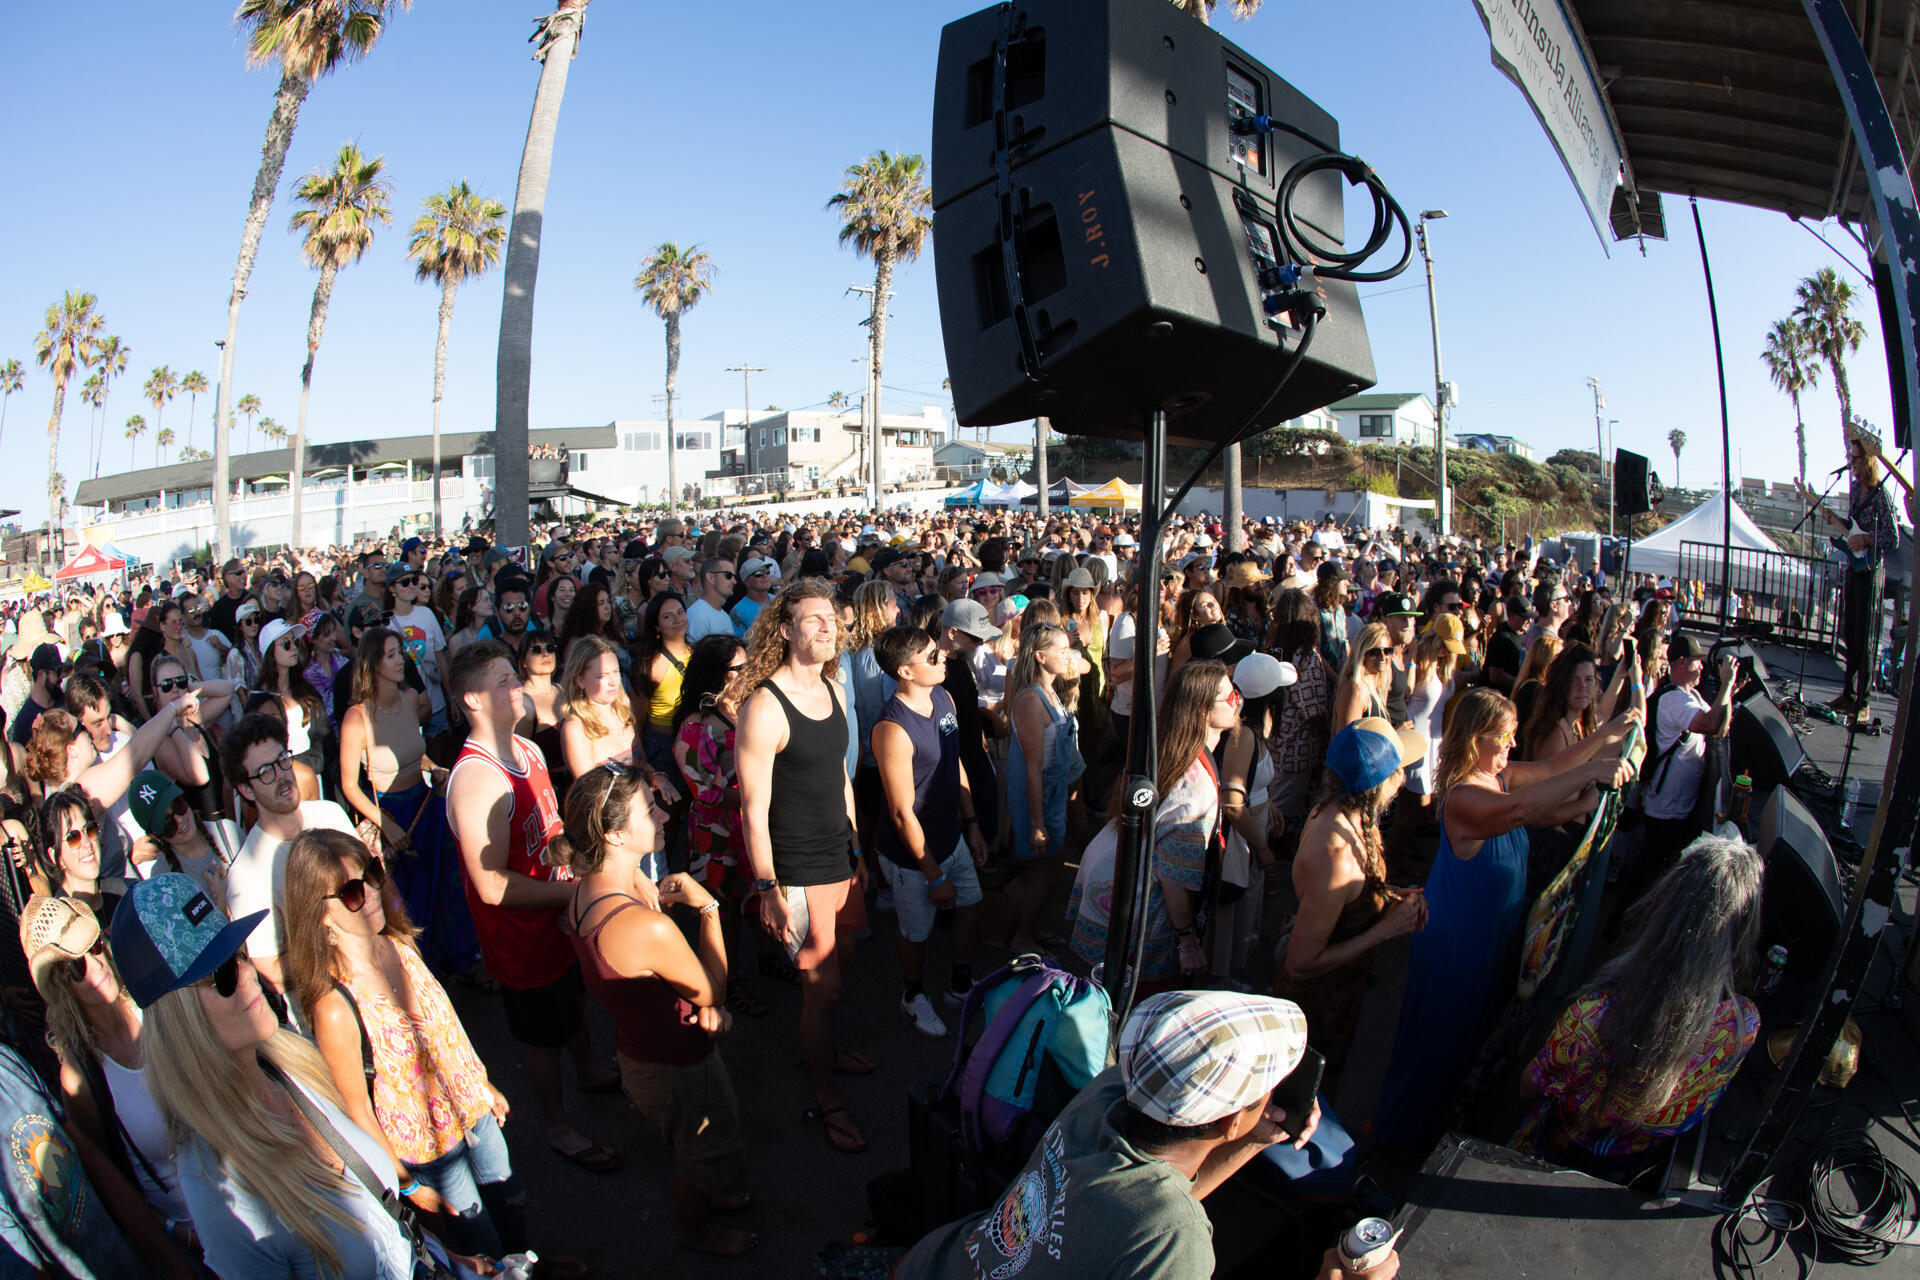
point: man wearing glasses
(373, 580)
(255, 759)
(1553, 605)
(707, 616)
(757, 576)
(233, 585)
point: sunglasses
(226, 979)
(1373, 653)
(1502, 739)
(353, 893)
(541, 647)
(249, 622)
(659, 573)
(1233, 698)
(282, 763)
(1455, 607)
(75, 835)
(169, 684)
(76, 966)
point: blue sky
(135, 151)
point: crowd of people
(260, 815)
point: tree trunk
(559, 35)
(1800, 437)
(1042, 428)
(322, 295)
(882, 286)
(673, 375)
(53, 467)
(1230, 506)
(100, 449)
(1837, 358)
(447, 291)
(273, 157)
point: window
(763, 437)
(702, 439)
(579, 461)
(779, 436)
(1376, 425)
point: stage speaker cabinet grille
(1632, 495)
(1802, 902)
(1099, 228)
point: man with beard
(259, 767)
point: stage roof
(1733, 99)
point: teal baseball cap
(167, 934)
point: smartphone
(1296, 1091)
(801, 924)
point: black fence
(1798, 597)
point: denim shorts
(914, 909)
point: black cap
(46, 657)
(1216, 640)
(888, 556)
(1393, 604)
(636, 550)
(1681, 646)
(476, 545)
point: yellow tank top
(666, 694)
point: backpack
(1653, 767)
(1045, 1036)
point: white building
(962, 461)
(1386, 417)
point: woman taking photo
(1043, 766)
(1361, 693)
(1476, 898)
(659, 665)
(1433, 672)
(664, 996)
(1201, 704)
(1646, 1049)
(393, 1045)
(1347, 908)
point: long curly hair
(1478, 713)
(767, 642)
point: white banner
(1536, 46)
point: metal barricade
(1799, 597)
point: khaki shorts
(695, 1110)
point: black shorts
(545, 1017)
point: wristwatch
(765, 886)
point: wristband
(411, 1189)
(710, 908)
(1187, 932)
(935, 884)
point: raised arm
(107, 780)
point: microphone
(1837, 471)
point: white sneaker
(954, 999)
(919, 1011)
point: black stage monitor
(1764, 745)
(1801, 902)
(1100, 228)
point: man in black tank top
(797, 816)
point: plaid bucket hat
(1192, 1057)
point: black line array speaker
(1631, 493)
(1099, 227)
(1764, 745)
(1801, 901)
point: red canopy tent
(89, 561)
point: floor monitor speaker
(1764, 745)
(1100, 229)
(1801, 900)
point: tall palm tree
(1825, 311)
(69, 341)
(273, 431)
(110, 361)
(162, 439)
(456, 238)
(1676, 441)
(12, 377)
(136, 427)
(884, 206)
(195, 386)
(556, 33)
(93, 393)
(160, 388)
(342, 204)
(672, 281)
(1792, 364)
(306, 39)
(1203, 9)
(247, 406)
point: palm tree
(342, 204)
(455, 239)
(1203, 9)
(273, 431)
(110, 360)
(1676, 441)
(12, 378)
(136, 427)
(1824, 310)
(195, 385)
(248, 405)
(92, 393)
(559, 32)
(883, 205)
(672, 282)
(1790, 360)
(306, 39)
(163, 439)
(160, 387)
(68, 342)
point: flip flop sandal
(742, 1001)
(593, 1157)
(825, 1119)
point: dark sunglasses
(76, 834)
(225, 979)
(170, 683)
(250, 621)
(541, 646)
(353, 893)
(1373, 653)
(76, 966)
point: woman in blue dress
(1476, 900)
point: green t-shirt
(1088, 1204)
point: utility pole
(1600, 447)
(1439, 382)
(873, 398)
(746, 372)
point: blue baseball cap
(167, 934)
(1368, 752)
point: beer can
(1776, 969)
(1367, 1244)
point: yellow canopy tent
(35, 582)
(1114, 493)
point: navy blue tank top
(936, 777)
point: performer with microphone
(1870, 536)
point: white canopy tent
(1009, 496)
(1660, 552)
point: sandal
(593, 1157)
(775, 967)
(742, 1001)
(478, 978)
(840, 1136)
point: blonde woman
(1476, 898)
(1043, 766)
(597, 722)
(1365, 679)
(1433, 672)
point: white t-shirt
(1120, 648)
(420, 633)
(704, 620)
(147, 1129)
(257, 881)
(1674, 784)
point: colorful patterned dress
(717, 845)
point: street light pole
(746, 372)
(1600, 447)
(1439, 384)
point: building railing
(1798, 596)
